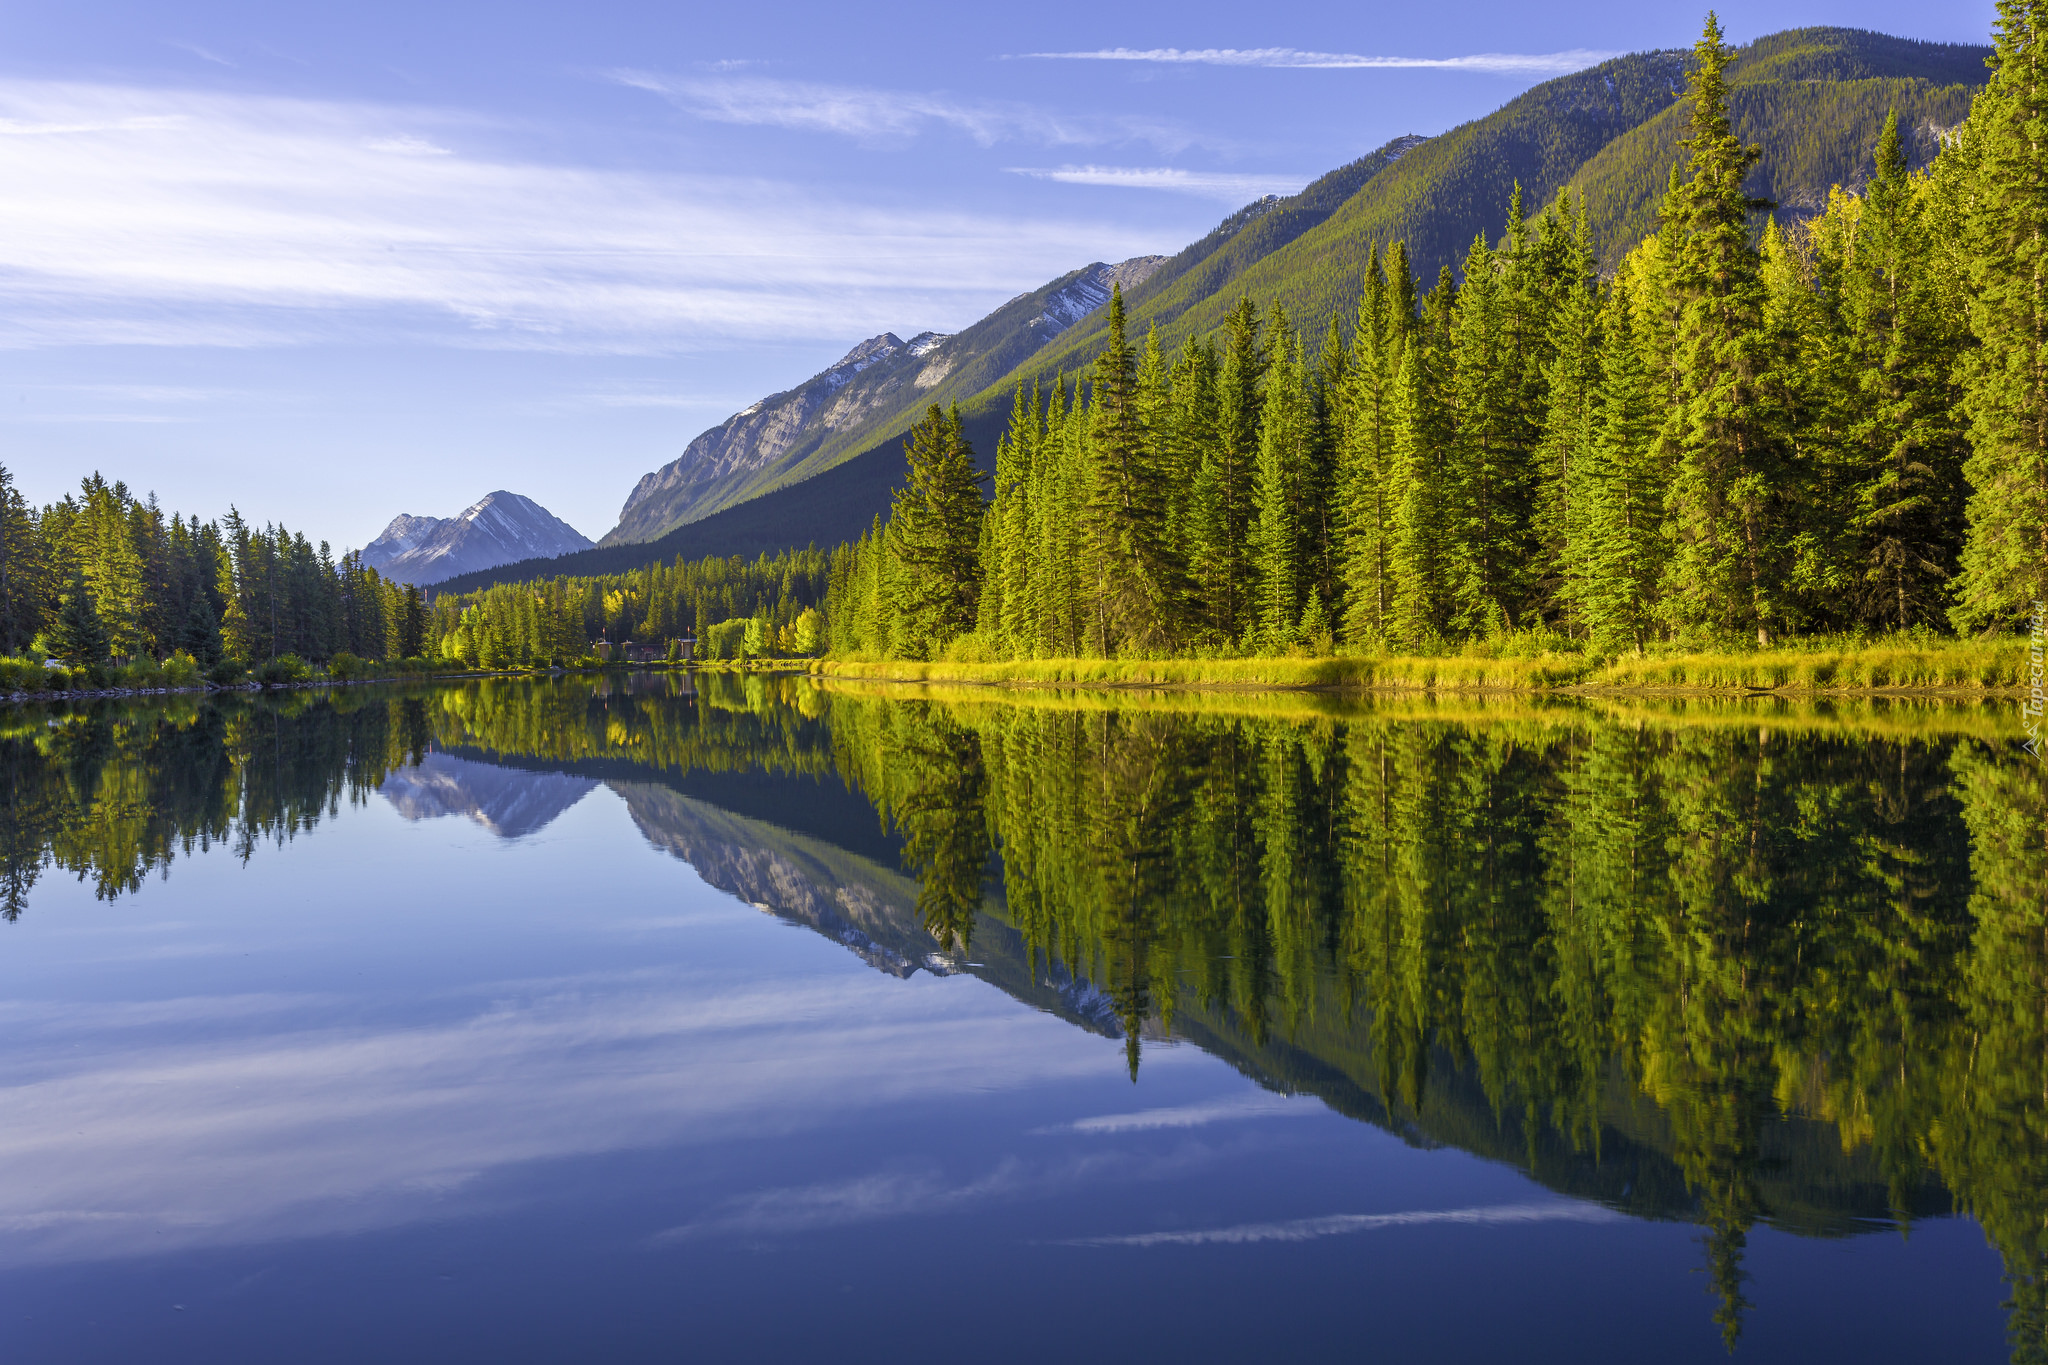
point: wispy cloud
(1511, 63)
(204, 54)
(407, 145)
(144, 216)
(865, 1199)
(262, 1117)
(1342, 1224)
(1259, 1106)
(871, 115)
(1230, 186)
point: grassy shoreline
(1980, 668)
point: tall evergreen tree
(1135, 584)
(2004, 233)
(1415, 550)
(1224, 569)
(935, 526)
(1285, 431)
(1728, 571)
(1615, 557)
(78, 636)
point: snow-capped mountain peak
(498, 528)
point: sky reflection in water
(448, 1024)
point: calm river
(644, 1019)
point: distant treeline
(1842, 425)
(100, 575)
(555, 620)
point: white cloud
(173, 217)
(1259, 1106)
(1337, 1225)
(407, 145)
(1230, 186)
(870, 115)
(1515, 63)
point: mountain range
(500, 528)
(798, 469)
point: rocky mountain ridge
(881, 382)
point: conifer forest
(1830, 424)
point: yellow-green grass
(1961, 665)
(1395, 672)
(1958, 664)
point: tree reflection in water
(1732, 963)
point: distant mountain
(878, 386)
(500, 529)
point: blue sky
(336, 261)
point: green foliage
(553, 622)
(2002, 205)
(346, 667)
(78, 636)
(935, 535)
(283, 670)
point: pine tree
(412, 623)
(1728, 568)
(2004, 232)
(1615, 557)
(1570, 427)
(1415, 551)
(1483, 487)
(1135, 587)
(78, 636)
(1224, 568)
(24, 570)
(1367, 493)
(935, 526)
(199, 633)
(1285, 430)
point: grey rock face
(878, 384)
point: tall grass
(1524, 663)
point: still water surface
(745, 1020)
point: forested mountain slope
(1815, 100)
(1813, 97)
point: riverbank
(1990, 668)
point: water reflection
(1728, 964)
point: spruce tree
(1570, 427)
(935, 527)
(1285, 430)
(24, 570)
(1614, 559)
(1224, 572)
(1415, 553)
(1185, 437)
(1480, 531)
(2004, 250)
(1134, 585)
(199, 633)
(78, 636)
(1368, 494)
(1728, 570)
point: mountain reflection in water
(1729, 963)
